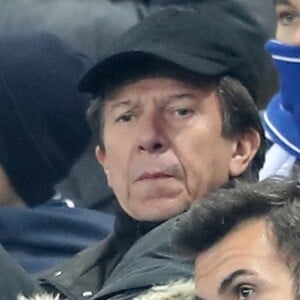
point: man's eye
(244, 292)
(183, 112)
(125, 118)
(287, 18)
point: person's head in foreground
(175, 110)
(246, 241)
(282, 115)
(43, 128)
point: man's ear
(245, 147)
(100, 155)
(101, 158)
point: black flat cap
(220, 37)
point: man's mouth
(153, 176)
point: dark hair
(238, 108)
(240, 115)
(211, 219)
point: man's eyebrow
(115, 104)
(128, 102)
(182, 95)
(283, 2)
(229, 279)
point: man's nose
(152, 137)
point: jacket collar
(125, 227)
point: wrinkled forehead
(250, 239)
(159, 88)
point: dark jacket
(41, 237)
(177, 290)
(13, 279)
(126, 264)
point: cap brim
(93, 80)
(281, 126)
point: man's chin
(157, 213)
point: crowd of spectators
(133, 136)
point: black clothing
(234, 46)
(13, 279)
(135, 257)
(40, 238)
(127, 263)
(42, 114)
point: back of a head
(43, 129)
(208, 221)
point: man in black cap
(43, 131)
(175, 116)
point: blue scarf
(282, 116)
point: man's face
(163, 146)
(288, 21)
(244, 265)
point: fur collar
(177, 290)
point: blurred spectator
(87, 26)
(282, 115)
(43, 130)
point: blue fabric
(282, 116)
(41, 237)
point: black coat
(48, 234)
(13, 279)
(126, 264)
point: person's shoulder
(151, 260)
(84, 258)
(14, 279)
(71, 274)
